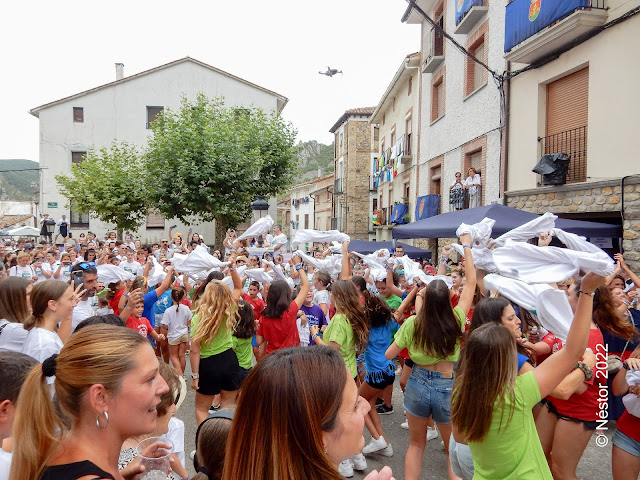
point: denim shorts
(428, 393)
(461, 459)
(626, 443)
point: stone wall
(590, 198)
(356, 188)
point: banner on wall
(463, 6)
(427, 206)
(525, 18)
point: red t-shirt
(454, 300)
(115, 301)
(629, 425)
(554, 343)
(257, 304)
(140, 325)
(585, 406)
(280, 332)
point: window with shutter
(155, 221)
(78, 219)
(152, 114)
(78, 115)
(78, 157)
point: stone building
(355, 141)
(573, 104)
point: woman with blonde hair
(15, 308)
(318, 424)
(23, 269)
(106, 389)
(214, 365)
(52, 303)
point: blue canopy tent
(507, 218)
(364, 247)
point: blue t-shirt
(164, 302)
(379, 340)
(150, 298)
(522, 359)
(315, 316)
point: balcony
(466, 20)
(532, 32)
(412, 16)
(436, 54)
(372, 184)
(407, 156)
(337, 186)
(573, 143)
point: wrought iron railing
(572, 142)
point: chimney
(119, 71)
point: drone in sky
(331, 72)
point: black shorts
(588, 425)
(220, 372)
(380, 380)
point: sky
(55, 49)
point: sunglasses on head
(85, 265)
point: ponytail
(34, 426)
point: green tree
(109, 185)
(209, 161)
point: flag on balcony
(399, 211)
(427, 206)
(463, 6)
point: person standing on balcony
(473, 183)
(456, 192)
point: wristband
(297, 266)
(313, 337)
(588, 373)
(625, 365)
(591, 294)
(466, 246)
(195, 376)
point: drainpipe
(507, 108)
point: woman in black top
(107, 387)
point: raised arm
(554, 369)
(392, 286)
(442, 260)
(634, 278)
(237, 283)
(166, 283)
(304, 288)
(466, 298)
(345, 273)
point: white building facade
(122, 110)
(460, 104)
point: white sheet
(258, 228)
(331, 265)
(108, 273)
(307, 235)
(197, 261)
(527, 231)
(411, 268)
(376, 262)
(631, 401)
(277, 271)
(259, 275)
(480, 232)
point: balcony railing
(436, 55)
(337, 186)
(573, 143)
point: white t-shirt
(176, 319)
(131, 267)
(104, 311)
(12, 336)
(41, 344)
(84, 309)
(24, 272)
(323, 296)
(5, 464)
(175, 433)
(65, 273)
(279, 239)
(49, 268)
(470, 181)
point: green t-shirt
(242, 347)
(515, 450)
(404, 339)
(220, 342)
(341, 332)
(393, 301)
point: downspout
(507, 111)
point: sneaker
(214, 408)
(432, 433)
(359, 462)
(375, 446)
(405, 425)
(345, 469)
(399, 370)
(387, 451)
(379, 402)
(384, 410)
(192, 454)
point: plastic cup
(156, 458)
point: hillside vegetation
(313, 155)
(19, 180)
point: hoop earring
(106, 416)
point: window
(306, 220)
(435, 184)
(408, 128)
(393, 138)
(78, 157)
(476, 75)
(437, 107)
(394, 104)
(155, 221)
(410, 85)
(78, 219)
(406, 191)
(152, 114)
(383, 118)
(341, 141)
(475, 161)
(78, 115)
(376, 134)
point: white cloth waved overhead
(336, 247)
(259, 275)
(277, 271)
(578, 243)
(533, 264)
(376, 262)
(306, 235)
(427, 279)
(528, 230)
(551, 305)
(257, 229)
(631, 401)
(108, 273)
(332, 264)
(411, 268)
(482, 257)
(228, 281)
(480, 232)
(197, 261)
(157, 273)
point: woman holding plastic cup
(107, 388)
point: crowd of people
(292, 354)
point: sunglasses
(85, 265)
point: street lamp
(259, 206)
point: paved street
(595, 464)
